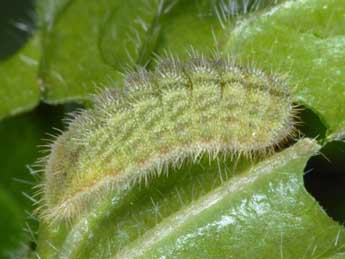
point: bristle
(162, 119)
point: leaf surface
(304, 40)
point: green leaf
(19, 54)
(209, 209)
(264, 212)
(190, 25)
(88, 51)
(19, 89)
(201, 25)
(304, 40)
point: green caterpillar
(179, 111)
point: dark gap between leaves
(324, 174)
(324, 179)
(308, 125)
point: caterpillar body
(178, 111)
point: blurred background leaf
(20, 138)
(19, 54)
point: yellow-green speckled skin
(177, 112)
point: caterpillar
(179, 111)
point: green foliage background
(55, 53)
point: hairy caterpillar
(179, 111)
